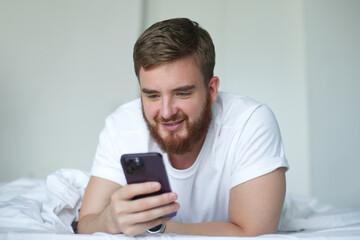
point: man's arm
(108, 207)
(254, 209)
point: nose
(168, 108)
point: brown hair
(174, 39)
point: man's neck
(186, 160)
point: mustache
(173, 118)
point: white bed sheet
(346, 233)
(45, 209)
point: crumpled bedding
(52, 205)
(302, 213)
(33, 205)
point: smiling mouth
(172, 126)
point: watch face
(158, 229)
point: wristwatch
(158, 229)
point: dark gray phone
(146, 167)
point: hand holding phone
(145, 167)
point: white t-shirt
(243, 142)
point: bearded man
(223, 152)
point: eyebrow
(148, 91)
(182, 88)
(185, 88)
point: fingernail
(155, 185)
(176, 207)
(172, 196)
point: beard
(195, 131)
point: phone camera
(138, 163)
(130, 169)
(128, 162)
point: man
(223, 152)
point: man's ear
(213, 88)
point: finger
(152, 214)
(130, 191)
(151, 208)
(143, 204)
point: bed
(48, 208)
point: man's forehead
(191, 59)
(171, 76)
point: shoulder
(233, 110)
(128, 117)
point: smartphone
(146, 167)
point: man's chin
(173, 136)
(180, 133)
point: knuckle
(126, 232)
(113, 229)
(130, 191)
(113, 199)
(126, 190)
(148, 215)
(122, 222)
(143, 204)
(118, 210)
(131, 231)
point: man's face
(176, 105)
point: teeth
(174, 123)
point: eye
(183, 94)
(152, 96)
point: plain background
(66, 64)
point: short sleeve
(107, 157)
(259, 149)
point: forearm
(95, 223)
(207, 229)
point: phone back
(145, 167)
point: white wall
(65, 65)
(260, 53)
(333, 63)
